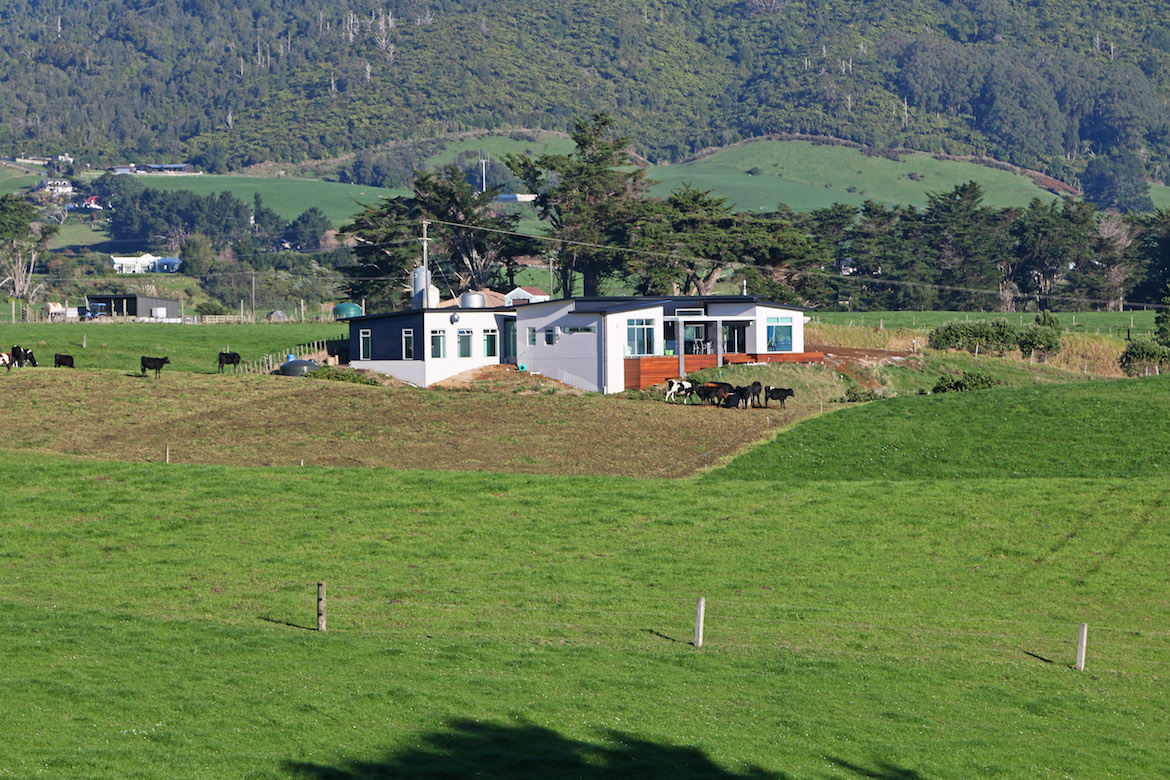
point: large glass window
(639, 337)
(464, 343)
(532, 337)
(408, 344)
(438, 343)
(779, 334)
(491, 341)
(363, 345)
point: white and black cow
(677, 387)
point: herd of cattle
(19, 357)
(725, 394)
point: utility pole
(482, 173)
(253, 297)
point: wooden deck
(643, 372)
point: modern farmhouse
(599, 344)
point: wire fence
(734, 625)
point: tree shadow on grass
(468, 748)
(883, 770)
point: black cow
(20, 356)
(777, 394)
(756, 388)
(62, 361)
(229, 359)
(738, 398)
(709, 393)
(154, 363)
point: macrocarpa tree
(590, 197)
(22, 243)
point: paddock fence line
(724, 625)
(266, 364)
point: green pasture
(1084, 430)
(160, 622)
(287, 197)
(190, 347)
(892, 590)
(496, 147)
(14, 180)
(1160, 194)
(806, 176)
(1105, 323)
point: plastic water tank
(346, 310)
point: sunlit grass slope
(159, 621)
(1095, 429)
(761, 174)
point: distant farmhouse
(605, 345)
(57, 188)
(134, 168)
(145, 264)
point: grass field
(287, 197)
(806, 176)
(1105, 323)
(892, 590)
(119, 346)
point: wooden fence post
(320, 606)
(1082, 642)
(699, 614)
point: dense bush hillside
(1042, 84)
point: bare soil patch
(859, 363)
(487, 421)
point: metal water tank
(472, 300)
(346, 310)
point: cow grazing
(756, 387)
(6, 360)
(62, 361)
(229, 359)
(777, 394)
(709, 393)
(739, 398)
(154, 363)
(677, 387)
(20, 356)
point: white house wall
(430, 370)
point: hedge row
(997, 336)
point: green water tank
(346, 310)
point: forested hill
(1040, 83)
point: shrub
(1142, 355)
(211, 307)
(1038, 339)
(968, 380)
(342, 375)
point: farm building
(598, 344)
(144, 306)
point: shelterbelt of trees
(602, 232)
(1050, 84)
(603, 228)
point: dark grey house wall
(386, 336)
